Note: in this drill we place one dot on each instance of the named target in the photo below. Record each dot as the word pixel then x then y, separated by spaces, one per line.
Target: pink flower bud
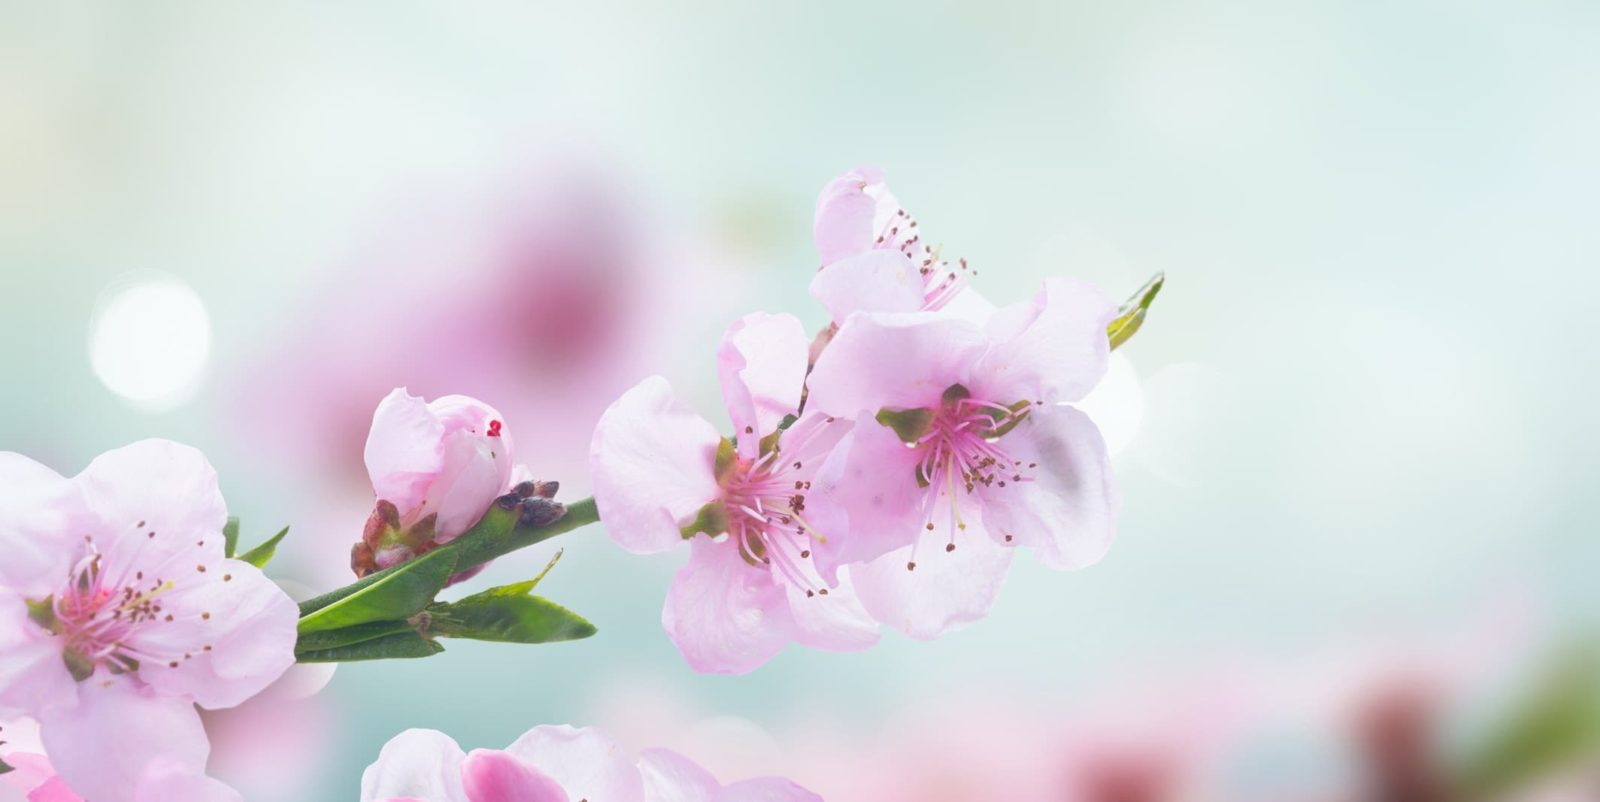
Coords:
pixel 440 463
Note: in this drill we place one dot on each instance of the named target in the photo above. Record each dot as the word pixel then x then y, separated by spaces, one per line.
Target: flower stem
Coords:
pixel 495 535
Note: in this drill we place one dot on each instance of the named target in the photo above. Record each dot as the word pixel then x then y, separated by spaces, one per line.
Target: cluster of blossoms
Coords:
pixel 119 613
pixel 879 473
pixel 552 764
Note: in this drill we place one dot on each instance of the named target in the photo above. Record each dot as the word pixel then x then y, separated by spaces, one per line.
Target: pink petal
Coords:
pixel 845 215
pixel 947 590
pixel 31 772
pixel 725 615
pixel 246 619
pixel 421 764
pixel 895 361
pixel 586 763
pixel 866 498
pixel 766 789
pixel 155 486
pixel 653 465
pixel 117 735
pixel 403 452
pixel 32 674
pixel 671 777
pixel 884 280
pixel 1050 348
pixel 39 511
pixel 493 776
pixel 53 790
pixel 474 472
pixel 1068 513
pixel 835 621
pixel 762 364
pixel 169 782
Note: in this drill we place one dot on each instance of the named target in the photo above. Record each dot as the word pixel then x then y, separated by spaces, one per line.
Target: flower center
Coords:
pixel 940 281
pixel 104 616
pixel 959 452
pixel 765 503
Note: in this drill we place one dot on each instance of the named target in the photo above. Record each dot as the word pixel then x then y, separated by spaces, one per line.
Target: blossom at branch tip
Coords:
pixel 436 467
pixel 963 449
pixel 663 475
pixel 551 764
pixel 119 612
pixel 874 257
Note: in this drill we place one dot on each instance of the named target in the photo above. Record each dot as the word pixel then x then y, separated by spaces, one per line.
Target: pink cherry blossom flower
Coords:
pixel 961 451
pixel 435 468
pixel 119 613
pixel 551 764
pixel 663 475
pixel 874 258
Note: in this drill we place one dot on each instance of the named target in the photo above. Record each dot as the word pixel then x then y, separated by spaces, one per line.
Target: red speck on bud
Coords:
pixel 494 428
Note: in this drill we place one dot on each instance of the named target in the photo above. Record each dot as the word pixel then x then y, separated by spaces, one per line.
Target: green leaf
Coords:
pixel 230 536
pixel 262 554
pixel 394 597
pixel 400 645
pixel 908 424
pixel 1557 726
pixel 1131 316
pixel 507 614
pixel 346 636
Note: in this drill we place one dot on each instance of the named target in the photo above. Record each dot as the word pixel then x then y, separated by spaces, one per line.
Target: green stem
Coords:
pixel 494 536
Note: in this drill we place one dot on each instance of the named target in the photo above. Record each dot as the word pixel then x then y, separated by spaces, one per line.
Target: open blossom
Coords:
pixel 551 764
pixel 962 450
pixel 874 258
pixel 663 475
pixel 119 613
pixel 436 466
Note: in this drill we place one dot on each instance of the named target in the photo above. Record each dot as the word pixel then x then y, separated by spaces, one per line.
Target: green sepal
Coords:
pixel 712 519
pixel 5 768
pixel 79 666
pixel 230 536
pixel 401 645
pixel 43 613
pixel 395 596
pixel 1131 316
pixel 908 424
pixel 769 443
pixel 1019 411
pixel 727 459
pixel 263 554
pixel 309 642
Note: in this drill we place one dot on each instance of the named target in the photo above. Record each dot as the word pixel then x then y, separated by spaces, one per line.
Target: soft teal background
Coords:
pixel 1369 384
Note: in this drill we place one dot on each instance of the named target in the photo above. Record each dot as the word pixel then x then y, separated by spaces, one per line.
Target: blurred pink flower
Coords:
pixel 121 614
pixel 162 781
pixel 662 474
pixel 551 764
pixel 873 256
pixel 961 451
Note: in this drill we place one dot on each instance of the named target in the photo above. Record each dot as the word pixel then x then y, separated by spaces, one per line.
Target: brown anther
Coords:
pixel 200 568
pixel 949 547
pixel 804 553
pixel 823 591
pixel 911 566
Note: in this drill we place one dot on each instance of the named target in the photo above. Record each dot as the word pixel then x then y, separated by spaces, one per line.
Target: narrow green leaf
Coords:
pixel 1554 728
pixel 345 636
pixel 507 614
pixel 1131 316
pixel 262 554
pixel 400 645
pixel 230 536
pixel 394 597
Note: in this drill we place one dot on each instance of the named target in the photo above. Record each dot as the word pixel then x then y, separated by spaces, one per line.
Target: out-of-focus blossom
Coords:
pixel 551 764
pixel 962 450
pixel 435 467
pixel 874 258
pixel 162 781
pixel 122 613
pixel 662 475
